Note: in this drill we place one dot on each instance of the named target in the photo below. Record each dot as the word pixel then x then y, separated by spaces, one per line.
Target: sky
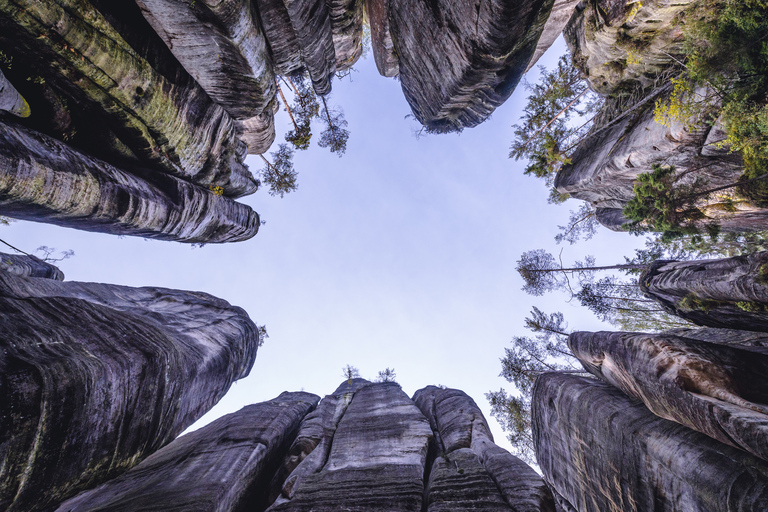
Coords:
pixel 401 254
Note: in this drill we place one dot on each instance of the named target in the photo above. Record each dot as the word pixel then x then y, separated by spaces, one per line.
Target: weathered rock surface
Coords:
pixel 94 378
pixel 469 471
pixel 617 42
pixel 729 293
pixel 219 468
pixel 372 455
pixel 382 46
pixel 10 99
pixel 258 132
pixel 43 179
pixel 561 13
pixel 300 36
pixel 29 266
pixel 458 61
pixel 602 451
pixel 171 126
pixel 347 26
pixel 221 44
pixel 718 390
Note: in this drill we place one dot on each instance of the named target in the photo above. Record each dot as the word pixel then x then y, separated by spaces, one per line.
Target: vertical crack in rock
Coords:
pixel 93 378
pixel 729 293
pixel 45 180
pixel 458 63
pixel 220 467
pixel 604 451
pixel 173 128
pixel 376 460
pixel 718 390
pixel 29 266
pixel 471 471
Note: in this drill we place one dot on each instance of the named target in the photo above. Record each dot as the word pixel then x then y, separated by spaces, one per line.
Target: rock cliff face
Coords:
pixel 95 377
pixel 459 61
pixel 219 468
pixel 29 266
pixel 730 293
pixel 366 447
pixel 602 451
pixel 715 389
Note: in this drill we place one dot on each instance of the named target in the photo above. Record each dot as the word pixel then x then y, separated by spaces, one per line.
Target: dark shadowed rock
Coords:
pixel 602 451
pixel 10 99
pixel 382 45
pixel 45 180
pixel 347 26
pixel 715 389
pixel 461 60
pixel 170 125
pixel 29 266
pixel 220 467
pixel 469 472
pixel 371 457
pixel 221 44
pixel 730 293
pixel 96 377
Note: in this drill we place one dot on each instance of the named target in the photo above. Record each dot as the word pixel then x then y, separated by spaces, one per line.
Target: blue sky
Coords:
pixel 401 254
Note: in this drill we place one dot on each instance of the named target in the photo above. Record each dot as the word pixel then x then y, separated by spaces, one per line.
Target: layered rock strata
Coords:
pixel 219 468
pixel 29 266
pixel 469 471
pixel 382 45
pixel 459 61
pixel 602 451
pixel 45 180
pixel 562 11
pixel 729 293
pixel 715 389
pixel 96 377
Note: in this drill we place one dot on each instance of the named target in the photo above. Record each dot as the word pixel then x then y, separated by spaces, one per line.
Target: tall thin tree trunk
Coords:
pixel 287 108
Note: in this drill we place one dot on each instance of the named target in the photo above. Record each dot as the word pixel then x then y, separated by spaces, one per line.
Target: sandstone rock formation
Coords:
pixel 469 471
pixel 730 293
pixel 562 11
pixel 29 266
pixel 459 61
pixel 10 99
pixel 95 377
pixel 44 179
pixel 602 451
pixel 382 45
pixel 221 467
pixel 366 447
pixel 715 389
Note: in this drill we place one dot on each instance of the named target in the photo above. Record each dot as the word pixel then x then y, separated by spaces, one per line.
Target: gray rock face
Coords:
pixel 461 60
pixel 172 127
pixel 597 38
pixel 382 45
pixel 469 471
pixel 258 132
pixel 221 44
pixel 602 451
pixel 29 266
pixel 96 377
pixel 347 27
pixel 42 179
pixel 372 455
pixel 730 293
pixel 715 389
pixel 218 468
pixel 10 99
pixel 561 13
